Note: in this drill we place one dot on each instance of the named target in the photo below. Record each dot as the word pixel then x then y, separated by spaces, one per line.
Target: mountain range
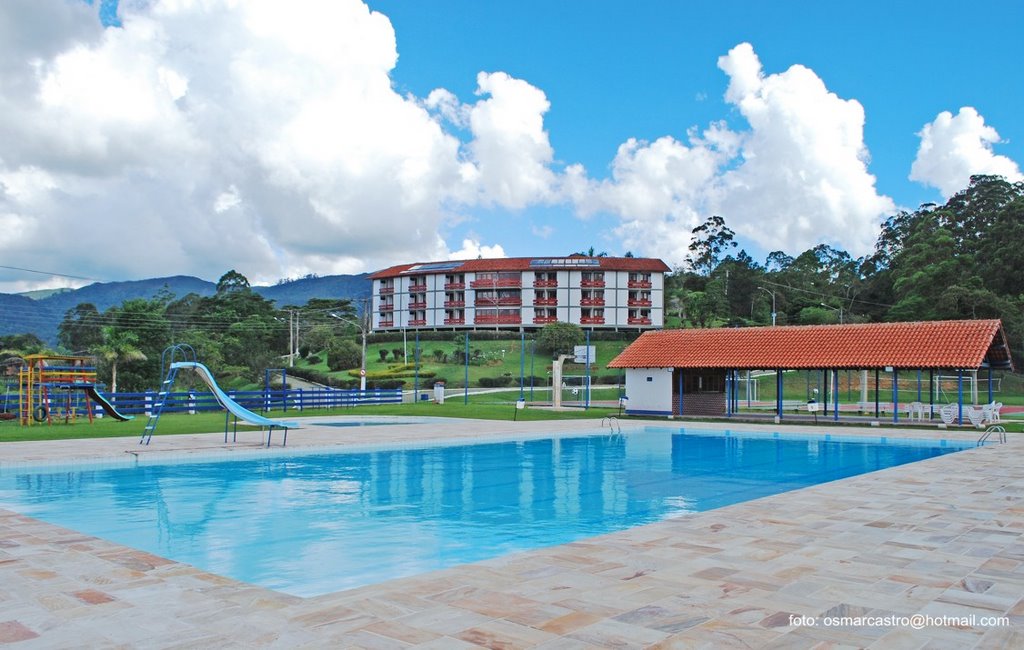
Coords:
pixel 40 312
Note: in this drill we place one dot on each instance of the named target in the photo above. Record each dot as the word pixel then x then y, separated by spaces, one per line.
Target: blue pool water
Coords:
pixel 309 524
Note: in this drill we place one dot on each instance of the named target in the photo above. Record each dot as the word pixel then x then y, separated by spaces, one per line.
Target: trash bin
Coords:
pixel 439 392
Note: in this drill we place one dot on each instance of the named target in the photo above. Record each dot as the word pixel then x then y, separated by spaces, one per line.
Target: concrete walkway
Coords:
pixel 939 539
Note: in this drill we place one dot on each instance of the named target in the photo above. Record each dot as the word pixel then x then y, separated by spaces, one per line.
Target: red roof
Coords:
pixel 569 263
pixel 962 344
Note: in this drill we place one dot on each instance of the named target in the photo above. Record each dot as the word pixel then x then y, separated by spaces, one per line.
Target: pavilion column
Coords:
pixel 864 387
pixel 778 393
pixel 835 396
pixel 681 384
pixel 895 396
pixel 931 393
pixel 960 396
pixel 876 392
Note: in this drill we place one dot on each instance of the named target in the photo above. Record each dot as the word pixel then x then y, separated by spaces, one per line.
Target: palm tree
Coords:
pixel 119 346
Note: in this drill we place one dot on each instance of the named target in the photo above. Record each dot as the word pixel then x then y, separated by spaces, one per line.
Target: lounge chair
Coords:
pixel 948 414
pixel 975 415
pixel 991 411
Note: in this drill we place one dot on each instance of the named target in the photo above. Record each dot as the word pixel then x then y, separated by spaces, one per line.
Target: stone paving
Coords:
pixel 938 538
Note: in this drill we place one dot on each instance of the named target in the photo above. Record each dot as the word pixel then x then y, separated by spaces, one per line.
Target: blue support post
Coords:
pixel 835 396
pixel 681 384
pixel 728 394
pixel 960 396
pixel 919 385
pixel 991 398
pixel 778 392
pixel 895 396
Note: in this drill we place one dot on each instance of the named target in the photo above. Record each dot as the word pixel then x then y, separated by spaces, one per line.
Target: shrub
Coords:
pixel 314 360
pixel 495 382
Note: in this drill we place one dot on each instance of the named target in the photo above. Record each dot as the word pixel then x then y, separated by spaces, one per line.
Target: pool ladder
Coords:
pixel 997 429
pixel 613 423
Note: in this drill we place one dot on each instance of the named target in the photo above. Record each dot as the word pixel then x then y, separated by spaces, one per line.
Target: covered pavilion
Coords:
pixel 697 371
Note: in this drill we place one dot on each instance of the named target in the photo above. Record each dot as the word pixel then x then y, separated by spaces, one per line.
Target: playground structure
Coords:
pixel 183 357
pixel 61 384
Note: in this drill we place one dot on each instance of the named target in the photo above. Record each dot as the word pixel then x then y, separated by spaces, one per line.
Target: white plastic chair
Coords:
pixel 948 414
pixel 915 411
pixel 976 416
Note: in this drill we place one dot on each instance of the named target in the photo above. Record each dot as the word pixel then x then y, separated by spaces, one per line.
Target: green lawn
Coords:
pixel 484 407
pixel 488 359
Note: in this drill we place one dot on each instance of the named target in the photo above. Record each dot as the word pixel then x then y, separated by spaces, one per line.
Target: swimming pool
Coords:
pixel 313 523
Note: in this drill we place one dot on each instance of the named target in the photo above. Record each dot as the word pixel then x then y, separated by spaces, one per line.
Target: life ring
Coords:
pixel 39 414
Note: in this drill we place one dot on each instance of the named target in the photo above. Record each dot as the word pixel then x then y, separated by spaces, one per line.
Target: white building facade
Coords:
pixel 611 293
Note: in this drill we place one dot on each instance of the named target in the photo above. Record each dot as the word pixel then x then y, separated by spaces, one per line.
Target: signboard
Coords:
pixel 362 372
pixel 581 353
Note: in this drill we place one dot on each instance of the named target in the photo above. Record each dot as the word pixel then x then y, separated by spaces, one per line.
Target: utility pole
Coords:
pixel 291 338
pixel 772 293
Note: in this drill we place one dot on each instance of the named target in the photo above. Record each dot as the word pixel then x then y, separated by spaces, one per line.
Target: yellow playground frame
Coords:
pixel 41 376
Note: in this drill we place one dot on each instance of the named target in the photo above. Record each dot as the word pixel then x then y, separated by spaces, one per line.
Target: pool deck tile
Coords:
pixel 943 537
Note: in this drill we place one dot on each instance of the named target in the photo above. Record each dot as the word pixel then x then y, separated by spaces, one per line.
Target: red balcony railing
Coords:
pixel 592 302
pixel 387 308
pixel 454 286
pixel 499 283
pixel 501 302
pixel 545 302
pixel 386 290
pixel 592 320
pixel 416 306
pixel 543 320
pixel 483 319
pixel 541 284
pixel 637 302
pixel 455 321
pixel 454 304
pixel 639 284
pixel 638 321
pixel 591 283
pixel 386 323
pixel 419 322
pixel 417 288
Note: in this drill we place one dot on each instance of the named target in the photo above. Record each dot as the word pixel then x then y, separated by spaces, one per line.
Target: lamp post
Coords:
pixel 364 326
pixel 840 310
pixel 772 294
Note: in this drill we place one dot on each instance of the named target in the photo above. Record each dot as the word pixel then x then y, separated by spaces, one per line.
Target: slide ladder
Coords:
pixel 158 406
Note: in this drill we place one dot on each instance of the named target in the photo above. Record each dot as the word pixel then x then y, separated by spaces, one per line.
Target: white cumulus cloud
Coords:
pixel 797 174
pixel 473 249
pixel 260 135
pixel 954 148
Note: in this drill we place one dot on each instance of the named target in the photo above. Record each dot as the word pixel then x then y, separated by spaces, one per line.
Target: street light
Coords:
pixel 840 310
pixel 363 327
pixel 772 293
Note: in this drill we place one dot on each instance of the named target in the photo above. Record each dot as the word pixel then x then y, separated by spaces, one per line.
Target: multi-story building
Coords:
pixel 521 292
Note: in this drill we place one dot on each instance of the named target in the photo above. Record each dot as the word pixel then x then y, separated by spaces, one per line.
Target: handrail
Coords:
pixel 989 431
pixel 613 422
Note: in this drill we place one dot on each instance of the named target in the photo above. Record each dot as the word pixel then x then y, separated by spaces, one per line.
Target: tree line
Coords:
pixel 960 260
pixel 236 332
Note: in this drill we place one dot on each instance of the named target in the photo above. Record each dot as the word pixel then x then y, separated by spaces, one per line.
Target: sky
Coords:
pixel 149 138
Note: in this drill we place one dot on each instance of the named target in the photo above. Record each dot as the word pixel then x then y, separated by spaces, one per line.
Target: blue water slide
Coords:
pixel 231 405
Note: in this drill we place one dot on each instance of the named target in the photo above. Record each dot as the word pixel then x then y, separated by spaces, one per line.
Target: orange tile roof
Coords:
pixel 962 344
pixel 524 264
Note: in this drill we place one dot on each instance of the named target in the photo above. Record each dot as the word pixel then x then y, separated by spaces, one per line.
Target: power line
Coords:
pixel 62 275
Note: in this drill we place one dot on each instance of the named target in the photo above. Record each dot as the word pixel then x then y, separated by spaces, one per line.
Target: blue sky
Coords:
pixel 328 136
pixel 615 70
